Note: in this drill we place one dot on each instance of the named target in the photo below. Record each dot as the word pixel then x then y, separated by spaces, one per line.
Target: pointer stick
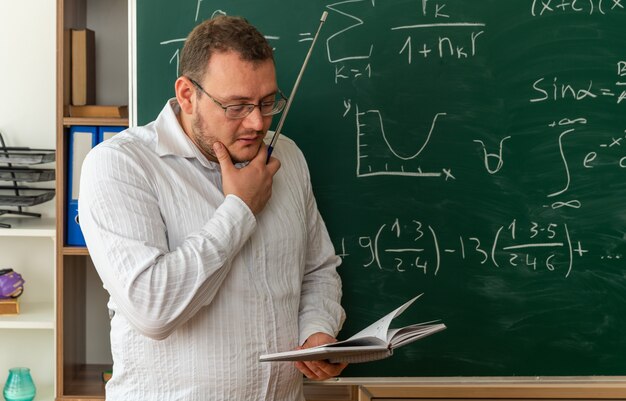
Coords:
pixel 270 148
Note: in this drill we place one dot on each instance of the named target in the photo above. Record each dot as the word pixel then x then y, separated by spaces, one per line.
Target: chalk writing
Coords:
pixel 611 152
pixel 376 155
pixel 343 72
pixel 435 34
pixel 403 246
pixel 356 23
pixel 445 45
pixel 557 91
pixel 545 7
pixel 605 156
pixel 493 156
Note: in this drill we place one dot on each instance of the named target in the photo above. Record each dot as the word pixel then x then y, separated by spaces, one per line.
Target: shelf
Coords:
pixel 69 121
pixel 28 227
pixel 33 315
pixel 87 384
pixel 75 250
pixel 76 378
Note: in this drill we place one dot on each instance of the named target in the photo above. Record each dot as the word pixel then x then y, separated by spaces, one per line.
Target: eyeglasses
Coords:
pixel 238 111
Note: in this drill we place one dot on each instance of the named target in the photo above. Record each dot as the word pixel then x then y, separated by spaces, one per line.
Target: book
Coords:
pixel 9 306
pixel 83 56
pixel 93 110
pixel 376 341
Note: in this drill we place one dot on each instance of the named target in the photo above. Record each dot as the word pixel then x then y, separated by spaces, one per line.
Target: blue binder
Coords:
pixel 82 140
pixel 106 132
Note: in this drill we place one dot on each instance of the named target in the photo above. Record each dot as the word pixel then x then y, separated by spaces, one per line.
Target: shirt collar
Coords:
pixel 171 138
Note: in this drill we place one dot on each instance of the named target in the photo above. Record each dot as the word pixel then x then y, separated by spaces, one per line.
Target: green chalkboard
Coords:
pixel 470 150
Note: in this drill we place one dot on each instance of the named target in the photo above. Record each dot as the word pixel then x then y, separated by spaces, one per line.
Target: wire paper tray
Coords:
pixel 26 155
pixel 26 174
pixel 27 196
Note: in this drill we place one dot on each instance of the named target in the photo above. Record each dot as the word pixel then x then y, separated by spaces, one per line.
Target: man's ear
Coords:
pixel 185 94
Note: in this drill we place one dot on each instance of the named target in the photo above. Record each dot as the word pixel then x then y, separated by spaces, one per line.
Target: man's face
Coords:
pixel 232 81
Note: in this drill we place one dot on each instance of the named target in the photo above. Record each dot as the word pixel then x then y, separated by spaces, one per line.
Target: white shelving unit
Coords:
pixel 35 315
pixel 28 227
pixel 28 339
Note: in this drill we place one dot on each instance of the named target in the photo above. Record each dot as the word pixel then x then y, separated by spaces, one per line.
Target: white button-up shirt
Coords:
pixel 199 286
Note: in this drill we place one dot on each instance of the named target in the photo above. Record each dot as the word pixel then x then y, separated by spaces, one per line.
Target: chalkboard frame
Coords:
pixel 468 388
pixel 494 388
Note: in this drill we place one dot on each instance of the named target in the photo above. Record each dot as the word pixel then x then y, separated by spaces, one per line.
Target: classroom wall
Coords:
pixel 28 77
pixel 28 106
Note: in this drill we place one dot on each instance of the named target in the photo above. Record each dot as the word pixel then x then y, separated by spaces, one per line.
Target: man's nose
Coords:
pixel 254 120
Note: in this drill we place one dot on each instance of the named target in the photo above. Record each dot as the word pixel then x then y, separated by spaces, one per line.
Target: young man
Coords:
pixel 211 256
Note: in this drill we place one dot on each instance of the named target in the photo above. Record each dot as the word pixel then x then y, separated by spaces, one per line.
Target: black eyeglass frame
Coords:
pixel 279 105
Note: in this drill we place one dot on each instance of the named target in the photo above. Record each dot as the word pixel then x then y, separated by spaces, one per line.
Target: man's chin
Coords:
pixel 245 155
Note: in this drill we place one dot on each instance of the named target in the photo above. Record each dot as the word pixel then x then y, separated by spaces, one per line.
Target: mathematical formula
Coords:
pixel 555 90
pixel 457 38
pixel 403 246
pixel 437 32
pixel 365 43
pixel 603 7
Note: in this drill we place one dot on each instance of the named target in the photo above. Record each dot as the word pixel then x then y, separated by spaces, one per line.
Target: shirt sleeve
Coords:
pixel 155 288
pixel 320 301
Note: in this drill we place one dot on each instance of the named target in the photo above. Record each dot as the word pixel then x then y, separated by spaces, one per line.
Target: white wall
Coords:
pixel 27 118
pixel 28 78
pixel 28 108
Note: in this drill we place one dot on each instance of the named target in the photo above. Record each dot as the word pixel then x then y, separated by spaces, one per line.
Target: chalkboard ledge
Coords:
pixel 380 388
